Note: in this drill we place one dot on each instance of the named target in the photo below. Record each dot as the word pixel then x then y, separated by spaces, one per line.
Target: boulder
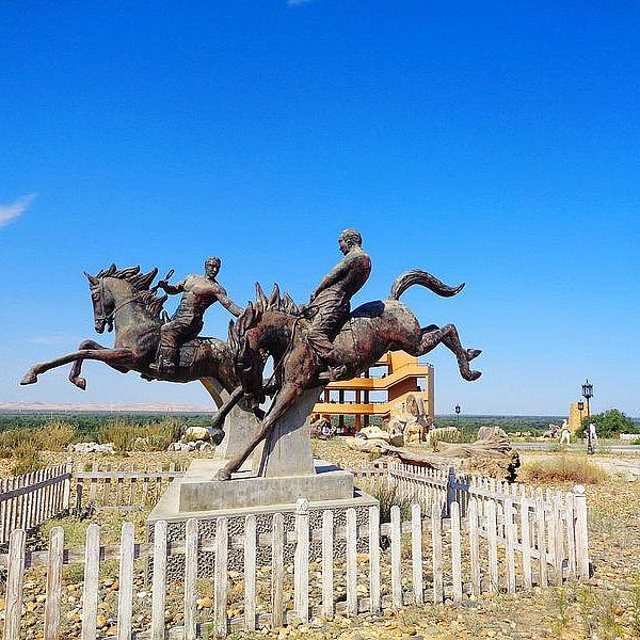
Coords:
pixel 92 447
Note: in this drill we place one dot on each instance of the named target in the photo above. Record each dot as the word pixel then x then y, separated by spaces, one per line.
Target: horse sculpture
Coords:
pixel 275 327
pixel 122 298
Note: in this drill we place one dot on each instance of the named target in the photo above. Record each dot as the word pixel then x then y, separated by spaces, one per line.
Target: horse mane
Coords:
pixel 140 283
pixel 254 312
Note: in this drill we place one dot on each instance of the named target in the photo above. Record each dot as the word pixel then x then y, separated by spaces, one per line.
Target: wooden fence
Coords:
pixel 104 485
pixel 427 558
pixel 28 500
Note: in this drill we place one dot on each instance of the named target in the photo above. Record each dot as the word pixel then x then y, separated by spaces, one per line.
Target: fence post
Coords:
pixel 15 577
pixel 79 496
pixel 451 490
pixel 66 492
pixel 582 533
pixel 301 561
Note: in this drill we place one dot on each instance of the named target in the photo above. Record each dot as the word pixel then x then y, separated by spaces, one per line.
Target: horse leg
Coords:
pixel 285 398
pixel 74 374
pixel 448 335
pixel 118 357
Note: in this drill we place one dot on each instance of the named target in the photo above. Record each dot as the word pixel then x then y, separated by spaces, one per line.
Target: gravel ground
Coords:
pixel 608 606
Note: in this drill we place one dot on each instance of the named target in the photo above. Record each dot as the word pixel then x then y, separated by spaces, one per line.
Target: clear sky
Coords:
pixel 495 143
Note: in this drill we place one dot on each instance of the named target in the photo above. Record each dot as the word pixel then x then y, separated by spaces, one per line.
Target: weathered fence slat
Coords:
pixel 125 592
pixel 90 590
pixel 250 572
pixel 54 584
pixel 375 604
pixel 15 577
pixel 416 553
pixel 456 553
pixel 525 543
pixel 474 547
pixel 301 561
pixel 159 579
pixel 220 579
pixel 190 576
pixel 327 563
pixel 493 546
pixel 352 559
pixel 277 570
pixel 396 551
pixel 436 546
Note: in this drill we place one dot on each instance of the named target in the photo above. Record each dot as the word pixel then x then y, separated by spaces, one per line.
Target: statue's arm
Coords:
pixel 228 304
pixel 338 272
pixel 171 289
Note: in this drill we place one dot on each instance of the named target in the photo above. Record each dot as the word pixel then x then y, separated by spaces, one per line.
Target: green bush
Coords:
pixel 609 424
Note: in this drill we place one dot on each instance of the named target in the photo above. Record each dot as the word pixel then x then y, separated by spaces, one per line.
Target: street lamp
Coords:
pixel 458 409
pixel 587 394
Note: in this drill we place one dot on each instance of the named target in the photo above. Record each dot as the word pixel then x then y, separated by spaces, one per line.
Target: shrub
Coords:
pixel 27 459
pixel 53 435
pixel 564 469
pixel 129 436
pixel 388 496
pixel 609 424
pixel 120 432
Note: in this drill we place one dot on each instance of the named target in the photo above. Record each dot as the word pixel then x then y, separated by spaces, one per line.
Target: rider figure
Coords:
pixel 330 302
pixel 199 293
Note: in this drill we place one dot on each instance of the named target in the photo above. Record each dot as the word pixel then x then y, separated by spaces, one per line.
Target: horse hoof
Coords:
pixel 81 383
pixel 30 378
pixel 473 353
pixel 472 375
pixel 223 474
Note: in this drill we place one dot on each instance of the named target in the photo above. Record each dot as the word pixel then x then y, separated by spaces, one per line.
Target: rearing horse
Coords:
pixel 275 327
pixel 122 298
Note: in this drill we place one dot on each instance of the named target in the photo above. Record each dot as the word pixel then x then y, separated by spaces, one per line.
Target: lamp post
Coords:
pixel 458 409
pixel 587 394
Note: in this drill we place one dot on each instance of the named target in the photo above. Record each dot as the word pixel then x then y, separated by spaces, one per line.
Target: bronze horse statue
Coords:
pixel 275 327
pixel 124 299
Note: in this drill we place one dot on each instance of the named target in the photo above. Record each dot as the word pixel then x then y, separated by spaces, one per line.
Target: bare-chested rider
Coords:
pixel 331 301
pixel 199 293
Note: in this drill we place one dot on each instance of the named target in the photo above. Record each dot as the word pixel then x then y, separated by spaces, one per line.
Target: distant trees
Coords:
pixel 609 423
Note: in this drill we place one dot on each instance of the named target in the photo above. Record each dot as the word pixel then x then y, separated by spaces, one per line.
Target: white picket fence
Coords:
pixel 28 500
pixel 503 544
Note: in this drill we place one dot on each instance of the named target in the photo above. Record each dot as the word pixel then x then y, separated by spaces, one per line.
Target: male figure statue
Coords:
pixel 198 294
pixel 329 305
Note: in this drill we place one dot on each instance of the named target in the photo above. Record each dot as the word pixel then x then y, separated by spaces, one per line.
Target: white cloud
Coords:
pixel 297 3
pixel 9 212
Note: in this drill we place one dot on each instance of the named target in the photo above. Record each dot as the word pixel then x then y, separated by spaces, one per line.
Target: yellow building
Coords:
pixel 396 375
pixel 575 417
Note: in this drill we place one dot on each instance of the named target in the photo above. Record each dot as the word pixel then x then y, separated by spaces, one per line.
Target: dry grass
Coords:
pixel 130 436
pixel 574 469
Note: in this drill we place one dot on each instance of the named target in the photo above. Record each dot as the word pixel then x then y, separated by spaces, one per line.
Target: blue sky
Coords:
pixel 495 143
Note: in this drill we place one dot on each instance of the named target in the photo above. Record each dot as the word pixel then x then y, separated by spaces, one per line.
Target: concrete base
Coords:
pixel 200 472
pixel 245 491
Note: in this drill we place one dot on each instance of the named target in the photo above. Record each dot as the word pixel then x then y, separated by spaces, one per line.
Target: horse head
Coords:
pixel 112 288
pixel 263 330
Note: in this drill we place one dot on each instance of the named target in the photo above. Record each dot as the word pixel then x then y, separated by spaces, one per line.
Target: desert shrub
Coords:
pixel 120 432
pixel 130 436
pixel 563 469
pixel 160 435
pixel 388 496
pixel 56 434
pixel 26 459
pixel 53 435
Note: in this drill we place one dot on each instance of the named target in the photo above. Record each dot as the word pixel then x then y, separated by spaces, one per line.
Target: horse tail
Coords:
pixel 424 279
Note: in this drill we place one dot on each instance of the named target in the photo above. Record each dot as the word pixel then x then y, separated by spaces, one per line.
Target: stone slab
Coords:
pixel 287 449
pixel 245 491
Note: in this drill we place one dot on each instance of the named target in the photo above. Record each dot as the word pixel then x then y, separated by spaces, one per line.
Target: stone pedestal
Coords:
pixel 287 449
